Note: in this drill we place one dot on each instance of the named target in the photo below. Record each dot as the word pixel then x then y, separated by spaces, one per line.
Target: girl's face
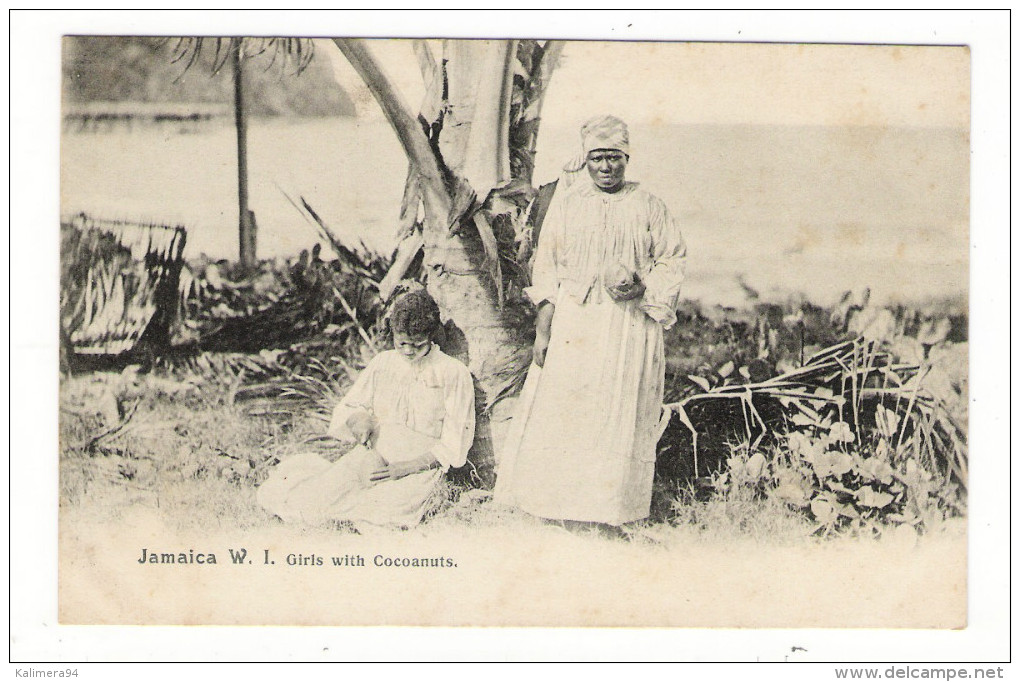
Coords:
pixel 413 348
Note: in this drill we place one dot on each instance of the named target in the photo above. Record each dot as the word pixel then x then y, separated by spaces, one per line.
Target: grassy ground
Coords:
pixel 192 453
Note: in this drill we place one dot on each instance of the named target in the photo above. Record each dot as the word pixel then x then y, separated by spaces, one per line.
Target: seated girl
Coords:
pixel 411 414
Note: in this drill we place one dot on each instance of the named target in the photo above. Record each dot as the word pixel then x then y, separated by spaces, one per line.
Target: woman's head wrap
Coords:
pixel 601 132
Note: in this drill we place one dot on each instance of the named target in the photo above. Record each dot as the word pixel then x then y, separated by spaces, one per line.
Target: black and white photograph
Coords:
pixel 368 329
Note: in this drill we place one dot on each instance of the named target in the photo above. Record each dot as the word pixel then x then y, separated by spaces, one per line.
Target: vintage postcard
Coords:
pixel 241 218
pixel 513 332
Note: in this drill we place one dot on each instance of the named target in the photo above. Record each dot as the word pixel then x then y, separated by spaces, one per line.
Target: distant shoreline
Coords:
pixel 83 117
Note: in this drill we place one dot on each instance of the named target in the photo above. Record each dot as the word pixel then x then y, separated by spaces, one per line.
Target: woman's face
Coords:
pixel 413 348
pixel 607 168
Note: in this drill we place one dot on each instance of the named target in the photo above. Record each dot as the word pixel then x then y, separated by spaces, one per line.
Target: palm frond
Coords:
pixel 296 51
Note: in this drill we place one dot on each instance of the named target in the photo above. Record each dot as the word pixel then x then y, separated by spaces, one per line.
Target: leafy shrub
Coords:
pixel 843 479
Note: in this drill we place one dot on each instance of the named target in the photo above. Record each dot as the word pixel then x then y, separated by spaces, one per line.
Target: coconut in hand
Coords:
pixel 618 276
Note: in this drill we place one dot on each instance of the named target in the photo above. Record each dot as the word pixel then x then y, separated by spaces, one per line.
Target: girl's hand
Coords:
pixel 364 426
pixel 396 470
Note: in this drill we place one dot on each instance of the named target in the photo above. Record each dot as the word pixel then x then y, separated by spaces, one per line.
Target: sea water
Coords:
pixel 772 209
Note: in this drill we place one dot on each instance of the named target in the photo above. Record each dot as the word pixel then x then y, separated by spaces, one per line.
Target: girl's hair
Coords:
pixel 415 314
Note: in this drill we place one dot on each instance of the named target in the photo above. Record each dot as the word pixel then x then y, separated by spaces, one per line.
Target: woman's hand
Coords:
pixel 626 292
pixel 622 283
pixel 364 426
pixel 543 332
pixel 540 349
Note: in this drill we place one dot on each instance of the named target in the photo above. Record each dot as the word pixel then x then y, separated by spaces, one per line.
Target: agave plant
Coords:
pixel 850 439
pixel 844 394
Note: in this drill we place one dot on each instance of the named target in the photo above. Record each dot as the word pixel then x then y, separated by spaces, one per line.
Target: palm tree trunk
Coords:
pixel 464 156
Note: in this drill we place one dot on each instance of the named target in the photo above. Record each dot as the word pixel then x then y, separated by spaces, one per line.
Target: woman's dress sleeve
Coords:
pixel 459 419
pixel 359 397
pixel 663 280
pixel 544 276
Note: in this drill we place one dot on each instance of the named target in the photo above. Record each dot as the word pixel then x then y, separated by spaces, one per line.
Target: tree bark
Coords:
pixel 465 156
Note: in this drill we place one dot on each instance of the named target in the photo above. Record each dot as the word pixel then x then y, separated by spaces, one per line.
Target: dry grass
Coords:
pixel 739 514
pixel 194 456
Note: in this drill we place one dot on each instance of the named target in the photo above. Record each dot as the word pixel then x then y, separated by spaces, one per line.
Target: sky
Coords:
pixel 728 83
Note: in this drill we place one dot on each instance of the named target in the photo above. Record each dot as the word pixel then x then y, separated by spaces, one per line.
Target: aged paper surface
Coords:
pixel 900 112
pixel 794 170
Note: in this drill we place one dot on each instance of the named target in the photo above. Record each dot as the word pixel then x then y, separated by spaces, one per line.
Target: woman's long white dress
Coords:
pixel 582 444
pixel 422 407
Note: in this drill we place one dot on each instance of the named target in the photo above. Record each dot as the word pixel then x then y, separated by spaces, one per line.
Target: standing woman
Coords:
pixel 606 281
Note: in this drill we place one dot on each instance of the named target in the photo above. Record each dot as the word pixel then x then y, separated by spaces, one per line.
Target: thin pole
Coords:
pixel 246 227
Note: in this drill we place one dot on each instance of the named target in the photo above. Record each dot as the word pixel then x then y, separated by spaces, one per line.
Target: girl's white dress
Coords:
pixel 422 407
pixel 582 444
